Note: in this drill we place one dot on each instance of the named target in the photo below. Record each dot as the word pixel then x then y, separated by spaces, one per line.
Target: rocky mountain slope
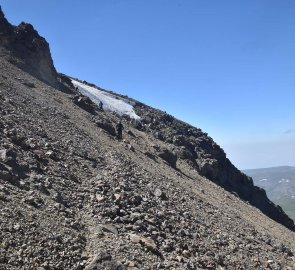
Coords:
pixel 23 46
pixel 279 184
pixel 165 197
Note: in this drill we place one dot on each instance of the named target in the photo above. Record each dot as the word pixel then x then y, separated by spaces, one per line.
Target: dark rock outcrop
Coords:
pixel 169 157
pixel 84 103
pixel 106 125
pixel 203 154
pixel 5 26
pixel 228 176
pixel 24 47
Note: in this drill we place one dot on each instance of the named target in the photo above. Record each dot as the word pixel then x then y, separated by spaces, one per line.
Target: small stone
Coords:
pixel 3 154
pixel 131 148
pixel 109 228
pixel 136 228
pixel 118 196
pixel 29 84
pixel 29 200
pixel 158 192
pixel 180 259
pixel 186 253
pixel 49 153
pixel 99 198
pixel 59 206
pixel 147 242
pixel 16 227
pixel 103 260
pixel 130 264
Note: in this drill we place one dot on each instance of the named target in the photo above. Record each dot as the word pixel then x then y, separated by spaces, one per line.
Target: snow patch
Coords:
pixel 110 102
pixel 283 180
pixel 263 180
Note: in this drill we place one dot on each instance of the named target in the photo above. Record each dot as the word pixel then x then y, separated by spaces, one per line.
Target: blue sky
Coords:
pixel 224 66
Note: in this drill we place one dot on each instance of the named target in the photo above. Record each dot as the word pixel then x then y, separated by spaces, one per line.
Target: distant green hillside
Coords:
pixel 279 183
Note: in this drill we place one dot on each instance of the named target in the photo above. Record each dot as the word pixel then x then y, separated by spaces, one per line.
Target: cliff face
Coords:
pixel 23 46
pixel 5 27
pixel 204 155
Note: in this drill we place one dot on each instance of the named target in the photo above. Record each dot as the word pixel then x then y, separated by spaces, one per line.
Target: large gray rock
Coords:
pixel 169 157
pixel 8 156
pixel 208 168
pixel 5 175
pixel 107 126
pixel 84 103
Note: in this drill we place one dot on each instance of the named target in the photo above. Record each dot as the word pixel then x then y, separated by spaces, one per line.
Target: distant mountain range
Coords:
pixel 279 184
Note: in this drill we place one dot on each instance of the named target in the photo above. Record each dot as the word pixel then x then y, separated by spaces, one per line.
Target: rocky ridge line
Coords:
pixel 201 153
pixel 23 46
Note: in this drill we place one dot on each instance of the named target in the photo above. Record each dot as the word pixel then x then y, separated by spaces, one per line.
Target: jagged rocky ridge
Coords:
pixel 23 46
pixel 73 197
pixel 203 154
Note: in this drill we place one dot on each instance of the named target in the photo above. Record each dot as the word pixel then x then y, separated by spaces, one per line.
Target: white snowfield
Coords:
pixel 110 102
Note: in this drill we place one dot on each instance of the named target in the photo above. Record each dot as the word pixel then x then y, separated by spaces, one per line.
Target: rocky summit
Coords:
pixel 73 196
pixel 23 46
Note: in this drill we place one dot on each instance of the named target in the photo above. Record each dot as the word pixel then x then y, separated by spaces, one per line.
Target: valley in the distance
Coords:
pixel 279 184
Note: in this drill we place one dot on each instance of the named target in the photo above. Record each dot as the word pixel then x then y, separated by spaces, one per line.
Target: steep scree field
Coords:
pixel 74 197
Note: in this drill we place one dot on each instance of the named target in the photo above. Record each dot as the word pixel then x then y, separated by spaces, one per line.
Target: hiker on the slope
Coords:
pixel 100 106
pixel 119 128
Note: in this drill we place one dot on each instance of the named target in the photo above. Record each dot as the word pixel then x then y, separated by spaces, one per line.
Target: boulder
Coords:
pixel 29 84
pixel 169 157
pixel 8 156
pixel 181 140
pixel 183 153
pixel 84 103
pixel 107 126
pixel 5 175
pixel 208 168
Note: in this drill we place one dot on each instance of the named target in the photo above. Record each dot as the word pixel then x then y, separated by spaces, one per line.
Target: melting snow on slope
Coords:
pixel 284 180
pixel 110 102
pixel 263 180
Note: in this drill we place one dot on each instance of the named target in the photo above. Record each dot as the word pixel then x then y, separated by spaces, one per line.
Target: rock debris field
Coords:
pixel 74 197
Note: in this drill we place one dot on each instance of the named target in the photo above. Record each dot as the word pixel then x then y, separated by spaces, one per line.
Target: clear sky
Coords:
pixel 227 67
